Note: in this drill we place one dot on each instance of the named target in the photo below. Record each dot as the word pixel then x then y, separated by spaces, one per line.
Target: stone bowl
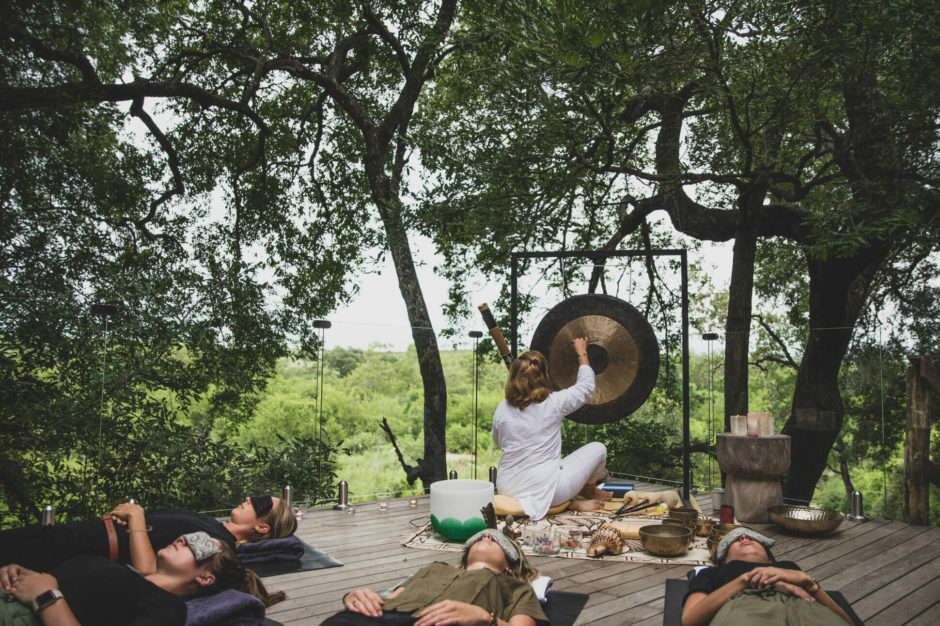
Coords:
pixel 805 520
pixel 665 540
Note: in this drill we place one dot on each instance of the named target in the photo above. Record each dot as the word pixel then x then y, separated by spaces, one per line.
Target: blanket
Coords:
pixel 229 607
pixel 283 560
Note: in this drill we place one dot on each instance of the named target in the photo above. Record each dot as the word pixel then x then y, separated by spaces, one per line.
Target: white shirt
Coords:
pixel 531 443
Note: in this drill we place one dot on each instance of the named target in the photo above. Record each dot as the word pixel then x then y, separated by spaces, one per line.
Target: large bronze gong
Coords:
pixel 622 350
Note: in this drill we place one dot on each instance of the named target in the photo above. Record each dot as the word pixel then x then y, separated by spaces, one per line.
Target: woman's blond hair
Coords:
pixel 528 382
pixel 280 520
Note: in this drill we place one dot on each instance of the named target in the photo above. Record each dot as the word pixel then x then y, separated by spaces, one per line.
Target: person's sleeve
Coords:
pixel 567 401
pixel 524 602
pixel 160 611
pixel 704 582
pixel 497 425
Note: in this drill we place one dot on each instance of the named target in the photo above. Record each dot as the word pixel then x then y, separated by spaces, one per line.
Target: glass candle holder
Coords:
pixel 766 425
pixel 350 510
pixel 413 503
pixel 573 542
pixel 738 424
pixel 753 424
pixel 382 505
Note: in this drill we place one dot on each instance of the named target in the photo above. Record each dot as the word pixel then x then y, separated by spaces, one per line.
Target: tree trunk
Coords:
pixel 433 466
pixel 837 291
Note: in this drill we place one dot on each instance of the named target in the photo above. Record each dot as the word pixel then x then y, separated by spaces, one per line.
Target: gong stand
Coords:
pixel 595 255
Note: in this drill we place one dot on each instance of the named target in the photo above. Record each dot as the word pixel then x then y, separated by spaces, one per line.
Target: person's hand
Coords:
pixel 453 612
pixel 9 574
pixel 364 601
pixel 125 512
pixel 579 344
pixel 798 591
pixel 30 584
pixel 761 577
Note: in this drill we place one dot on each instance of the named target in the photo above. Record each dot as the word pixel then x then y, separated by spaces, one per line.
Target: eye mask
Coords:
pixel 201 545
pixel 734 535
pixel 261 504
pixel 512 554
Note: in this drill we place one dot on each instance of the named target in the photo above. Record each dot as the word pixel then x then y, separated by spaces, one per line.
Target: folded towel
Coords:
pixel 540 586
pixel 227 608
pixel 287 549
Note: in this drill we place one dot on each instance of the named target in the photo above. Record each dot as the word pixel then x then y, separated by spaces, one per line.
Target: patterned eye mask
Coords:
pixel 201 545
pixel 512 554
pixel 736 534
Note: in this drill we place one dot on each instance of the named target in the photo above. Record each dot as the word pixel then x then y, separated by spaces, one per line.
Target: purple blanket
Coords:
pixel 286 549
pixel 227 608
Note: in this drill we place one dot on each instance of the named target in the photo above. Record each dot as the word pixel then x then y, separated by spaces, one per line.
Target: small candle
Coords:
pixel 753 424
pixel 350 509
pixel 738 424
pixel 766 425
pixel 413 503
pixel 383 505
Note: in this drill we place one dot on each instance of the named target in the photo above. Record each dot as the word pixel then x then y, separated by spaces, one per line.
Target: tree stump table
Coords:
pixel 753 466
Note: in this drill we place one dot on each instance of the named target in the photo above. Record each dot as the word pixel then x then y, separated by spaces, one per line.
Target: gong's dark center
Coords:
pixel 598 357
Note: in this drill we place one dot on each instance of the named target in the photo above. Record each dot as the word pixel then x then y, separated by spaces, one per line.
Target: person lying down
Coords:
pixel 491 585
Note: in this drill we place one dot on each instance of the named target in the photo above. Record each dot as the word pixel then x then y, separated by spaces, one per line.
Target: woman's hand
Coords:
pixel 126 513
pixel 761 577
pixel 453 612
pixel 364 601
pixel 30 584
pixel 9 574
pixel 579 344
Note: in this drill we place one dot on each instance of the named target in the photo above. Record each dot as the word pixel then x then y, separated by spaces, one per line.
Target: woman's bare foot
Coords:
pixel 586 505
pixel 591 492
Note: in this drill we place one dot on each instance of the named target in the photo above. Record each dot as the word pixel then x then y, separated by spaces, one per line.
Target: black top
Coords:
pixel 712 578
pixel 42 548
pixel 101 592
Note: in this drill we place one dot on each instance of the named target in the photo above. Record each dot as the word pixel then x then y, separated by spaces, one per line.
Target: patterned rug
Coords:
pixel 426 539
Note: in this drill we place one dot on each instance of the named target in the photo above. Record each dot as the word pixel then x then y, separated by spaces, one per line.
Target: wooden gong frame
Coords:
pixel 596 255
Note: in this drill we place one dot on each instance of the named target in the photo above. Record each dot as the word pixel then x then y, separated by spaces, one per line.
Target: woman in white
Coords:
pixel 527 428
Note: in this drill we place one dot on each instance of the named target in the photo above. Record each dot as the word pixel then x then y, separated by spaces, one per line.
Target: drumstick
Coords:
pixel 490 322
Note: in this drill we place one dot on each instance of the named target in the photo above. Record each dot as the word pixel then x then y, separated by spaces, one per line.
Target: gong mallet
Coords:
pixel 490 322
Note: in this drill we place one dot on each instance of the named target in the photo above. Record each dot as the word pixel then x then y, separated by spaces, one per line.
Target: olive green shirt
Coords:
pixel 503 595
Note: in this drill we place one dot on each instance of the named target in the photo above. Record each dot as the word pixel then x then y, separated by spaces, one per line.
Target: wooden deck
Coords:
pixel 888 571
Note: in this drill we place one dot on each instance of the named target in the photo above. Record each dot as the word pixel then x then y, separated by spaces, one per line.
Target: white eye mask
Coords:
pixel 734 535
pixel 201 545
pixel 512 554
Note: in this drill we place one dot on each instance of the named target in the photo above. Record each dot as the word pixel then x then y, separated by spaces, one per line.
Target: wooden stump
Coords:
pixel 754 466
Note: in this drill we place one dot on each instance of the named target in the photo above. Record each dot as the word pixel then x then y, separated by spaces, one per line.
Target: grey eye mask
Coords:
pixel 512 554
pixel 734 535
pixel 201 545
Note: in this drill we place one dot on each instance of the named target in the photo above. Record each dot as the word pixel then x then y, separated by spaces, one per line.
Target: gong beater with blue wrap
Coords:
pixel 622 350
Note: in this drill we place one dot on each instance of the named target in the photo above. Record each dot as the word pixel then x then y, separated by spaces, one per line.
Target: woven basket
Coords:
pixel 805 520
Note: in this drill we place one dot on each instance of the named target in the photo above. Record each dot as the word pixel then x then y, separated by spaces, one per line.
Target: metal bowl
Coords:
pixel 805 520
pixel 703 527
pixel 685 514
pixel 665 540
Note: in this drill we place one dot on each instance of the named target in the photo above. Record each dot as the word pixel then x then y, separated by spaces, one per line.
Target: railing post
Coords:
pixel 343 497
pixel 916 506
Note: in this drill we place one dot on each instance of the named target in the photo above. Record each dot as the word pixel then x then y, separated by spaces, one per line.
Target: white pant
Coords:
pixel 585 465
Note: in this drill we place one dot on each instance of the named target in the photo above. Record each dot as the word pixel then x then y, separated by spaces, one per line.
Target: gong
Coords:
pixel 622 350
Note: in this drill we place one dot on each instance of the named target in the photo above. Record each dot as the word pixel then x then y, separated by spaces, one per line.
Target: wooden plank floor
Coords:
pixel 888 571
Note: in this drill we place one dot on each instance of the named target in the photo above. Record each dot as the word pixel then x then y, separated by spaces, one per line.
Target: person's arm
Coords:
pixel 463 614
pixel 765 576
pixel 142 555
pixel 700 607
pixel 26 585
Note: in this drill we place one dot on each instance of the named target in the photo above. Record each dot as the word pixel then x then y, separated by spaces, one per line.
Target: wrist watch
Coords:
pixel 45 599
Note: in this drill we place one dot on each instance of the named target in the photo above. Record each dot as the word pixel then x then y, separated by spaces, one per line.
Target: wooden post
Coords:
pixel 916 506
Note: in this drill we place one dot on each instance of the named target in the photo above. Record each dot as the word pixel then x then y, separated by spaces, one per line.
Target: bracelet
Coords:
pixel 582 354
pixel 493 620
pixel 812 591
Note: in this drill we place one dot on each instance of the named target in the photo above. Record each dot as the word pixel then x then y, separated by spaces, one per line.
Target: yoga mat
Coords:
pixel 676 588
pixel 563 607
pixel 312 559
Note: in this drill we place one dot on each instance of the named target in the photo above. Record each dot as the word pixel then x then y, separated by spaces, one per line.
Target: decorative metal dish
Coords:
pixel 805 520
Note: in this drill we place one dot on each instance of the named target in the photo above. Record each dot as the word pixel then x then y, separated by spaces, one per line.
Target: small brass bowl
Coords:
pixel 712 545
pixel 720 530
pixel 703 527
pixel 684 513
pixel 805 520
pixel 680 523
pixel 668 540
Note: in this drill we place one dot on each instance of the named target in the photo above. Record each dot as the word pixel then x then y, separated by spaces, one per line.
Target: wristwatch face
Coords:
pixel 46 598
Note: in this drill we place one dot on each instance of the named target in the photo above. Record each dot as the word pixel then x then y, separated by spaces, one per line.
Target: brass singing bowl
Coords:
pixel 686 514
pixel 665 540
pixel 805 520
pixel 703 527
